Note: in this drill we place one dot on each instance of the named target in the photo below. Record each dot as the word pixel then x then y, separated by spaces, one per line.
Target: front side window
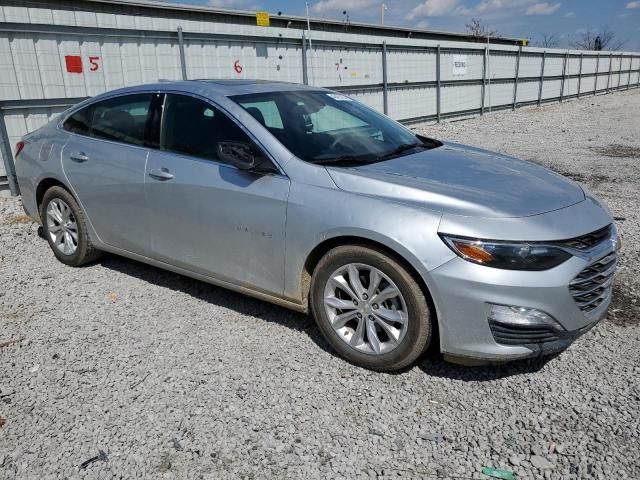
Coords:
pixel 191 126
pixel 325 127
pixel 122 119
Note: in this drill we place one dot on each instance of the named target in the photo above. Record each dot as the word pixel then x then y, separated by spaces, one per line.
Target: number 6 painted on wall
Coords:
pixel 237 67
pixel 94 63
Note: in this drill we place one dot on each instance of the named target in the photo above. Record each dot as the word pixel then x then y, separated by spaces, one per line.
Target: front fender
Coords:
pixel 318 214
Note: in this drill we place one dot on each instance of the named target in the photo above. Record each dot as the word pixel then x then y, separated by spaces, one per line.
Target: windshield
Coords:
pixel 324 127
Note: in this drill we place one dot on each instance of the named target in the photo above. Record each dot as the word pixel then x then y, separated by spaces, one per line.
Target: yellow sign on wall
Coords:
pixel 262 19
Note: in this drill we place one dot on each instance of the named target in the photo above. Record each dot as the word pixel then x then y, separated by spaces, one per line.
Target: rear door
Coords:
pixel 208 216
pixel 104 160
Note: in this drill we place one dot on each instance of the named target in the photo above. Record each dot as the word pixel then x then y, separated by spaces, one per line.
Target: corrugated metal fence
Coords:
pixel 53 58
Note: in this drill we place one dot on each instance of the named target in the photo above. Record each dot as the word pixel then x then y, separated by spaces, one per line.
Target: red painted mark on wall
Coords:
pixel 74 63
pixel 93 61
pixel 237 67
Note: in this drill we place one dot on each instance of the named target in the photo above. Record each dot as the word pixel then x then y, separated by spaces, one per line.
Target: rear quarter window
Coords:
pixel 79 122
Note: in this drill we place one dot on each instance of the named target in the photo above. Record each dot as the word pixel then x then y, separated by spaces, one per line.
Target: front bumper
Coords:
pixel 462 291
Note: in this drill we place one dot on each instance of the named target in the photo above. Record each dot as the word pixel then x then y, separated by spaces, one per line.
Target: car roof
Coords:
pixel 213 88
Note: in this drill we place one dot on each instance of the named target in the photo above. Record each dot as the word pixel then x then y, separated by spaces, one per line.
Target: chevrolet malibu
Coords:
pixel 306 198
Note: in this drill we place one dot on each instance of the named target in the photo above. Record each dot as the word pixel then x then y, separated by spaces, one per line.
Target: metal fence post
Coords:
pixel 595 82
pixel 183 60
pixel 619 72
pixel 580 74
pixel 484 80
pixel 385 92
pixel 305 73
pixel 438 107
pixel 609 75
pixel 629 72
pixel 564 71
pixel 8 157
pixel 515 83
pixel 544 58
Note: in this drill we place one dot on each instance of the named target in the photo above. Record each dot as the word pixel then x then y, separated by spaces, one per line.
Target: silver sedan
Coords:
pixel 306 198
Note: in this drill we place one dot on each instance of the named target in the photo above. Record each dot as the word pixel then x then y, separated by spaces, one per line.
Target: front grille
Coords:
pixel 590 240
pixel 592 286
pixel 509 334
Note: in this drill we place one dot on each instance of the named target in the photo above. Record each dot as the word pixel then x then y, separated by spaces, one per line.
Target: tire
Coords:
pixel 84 251
pixel 388 349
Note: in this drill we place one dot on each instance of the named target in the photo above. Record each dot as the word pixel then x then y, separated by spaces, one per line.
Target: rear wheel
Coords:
pixel 370 308
pixel 65 228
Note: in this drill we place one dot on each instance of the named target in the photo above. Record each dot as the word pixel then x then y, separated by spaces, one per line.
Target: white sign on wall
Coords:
pixel 459 65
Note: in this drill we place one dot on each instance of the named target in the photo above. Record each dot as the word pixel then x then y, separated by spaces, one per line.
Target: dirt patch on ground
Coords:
pixel 18 219
pixel 618 151
pixel 625 307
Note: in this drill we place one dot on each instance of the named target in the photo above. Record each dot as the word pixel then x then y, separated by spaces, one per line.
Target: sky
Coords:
pixel 531 19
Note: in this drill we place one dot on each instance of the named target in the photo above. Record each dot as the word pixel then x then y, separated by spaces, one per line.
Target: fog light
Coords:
pixel 617 242
pixel 522 316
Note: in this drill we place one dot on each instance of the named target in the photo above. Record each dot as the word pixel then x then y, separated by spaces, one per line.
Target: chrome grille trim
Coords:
pixel 588 241
pixel 592 286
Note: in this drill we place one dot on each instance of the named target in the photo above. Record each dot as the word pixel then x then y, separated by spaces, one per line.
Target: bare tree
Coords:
pixel 476 28
pixel 548 41
pixel 603 39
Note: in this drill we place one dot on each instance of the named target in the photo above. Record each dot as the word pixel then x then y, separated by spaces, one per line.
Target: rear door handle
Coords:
pixel 161 174
pixel 79 157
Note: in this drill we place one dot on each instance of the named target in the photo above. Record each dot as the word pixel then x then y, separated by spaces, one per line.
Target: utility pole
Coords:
pixel 383 7
pixel 308 24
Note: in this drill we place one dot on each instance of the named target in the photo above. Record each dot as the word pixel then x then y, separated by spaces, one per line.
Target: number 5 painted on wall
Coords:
pixel 94 63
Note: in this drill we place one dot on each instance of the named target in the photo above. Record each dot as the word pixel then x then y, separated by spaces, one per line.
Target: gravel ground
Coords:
pixel 121 370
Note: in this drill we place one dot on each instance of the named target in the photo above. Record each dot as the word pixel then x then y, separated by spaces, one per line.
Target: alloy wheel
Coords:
pixel 62 227
pixel 366 308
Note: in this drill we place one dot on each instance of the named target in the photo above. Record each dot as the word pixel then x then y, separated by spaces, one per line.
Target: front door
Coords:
pixel 207 216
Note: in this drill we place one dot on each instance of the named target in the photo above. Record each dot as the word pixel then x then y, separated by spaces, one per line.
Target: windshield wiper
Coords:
pixel 343 159
pixel 400 149
pixel 364 159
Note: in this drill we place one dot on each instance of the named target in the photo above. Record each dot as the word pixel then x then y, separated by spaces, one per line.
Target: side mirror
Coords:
pixel 239 154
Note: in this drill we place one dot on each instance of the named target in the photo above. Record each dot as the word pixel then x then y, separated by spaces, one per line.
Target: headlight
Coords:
pixel 506 255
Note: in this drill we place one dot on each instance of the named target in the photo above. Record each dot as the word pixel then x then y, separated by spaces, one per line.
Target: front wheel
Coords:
pixel 370 309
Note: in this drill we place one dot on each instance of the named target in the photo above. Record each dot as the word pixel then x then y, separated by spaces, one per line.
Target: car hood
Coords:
pixel 461 180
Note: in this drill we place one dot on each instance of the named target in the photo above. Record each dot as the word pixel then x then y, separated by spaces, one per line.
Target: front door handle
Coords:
pixel 79 157
pixel 161 174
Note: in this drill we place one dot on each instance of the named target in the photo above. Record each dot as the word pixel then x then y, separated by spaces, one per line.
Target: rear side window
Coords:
pixel 193 127
pixel 79 122
pixel 122 119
